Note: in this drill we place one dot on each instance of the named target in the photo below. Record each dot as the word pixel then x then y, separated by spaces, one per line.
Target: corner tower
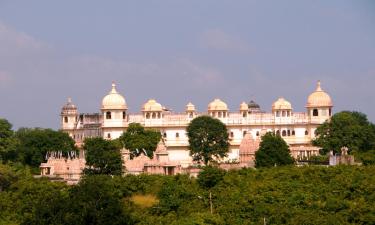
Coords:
pixel 319 106
pixel 68 117
pixel 114 111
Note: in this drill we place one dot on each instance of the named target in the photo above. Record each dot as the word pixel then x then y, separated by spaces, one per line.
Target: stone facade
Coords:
pixel 245 127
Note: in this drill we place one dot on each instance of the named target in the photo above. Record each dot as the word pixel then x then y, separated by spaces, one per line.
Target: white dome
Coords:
pixel 152 105
pixel 319 98
pixel 114 100
pixel 244 106
pixel 217 105
pixel 190 107
pixel 281 104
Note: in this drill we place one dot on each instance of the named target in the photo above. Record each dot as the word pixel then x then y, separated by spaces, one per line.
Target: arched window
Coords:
pixel 123 115
pixel 257 133
pixel 109 135
pixel 277 113
pixel 330 112
pixel 288 132
pixel 231 134
pixel 219 114
pixel 315 112
pixel 306 132
pixel 244 133
pixel 153 115
pixel 278 132
pixel 293 133
pixel 108 115
pixel 284 114
pixel 244 114
pixel 65 119
pixel 191 115
pixel 165 135
pixel 159 115
pixel 147 115
pixel 177 135
pixel 284 133
pixel 288 114
pixel 224 114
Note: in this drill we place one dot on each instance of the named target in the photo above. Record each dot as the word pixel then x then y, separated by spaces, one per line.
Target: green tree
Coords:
pixel 208 139
pixel 210 176
pixel 97 200
pixel 102 157
pixel 273 150
pixel 34 143
pixel 7 141
pixel 137 140
pixel 350 129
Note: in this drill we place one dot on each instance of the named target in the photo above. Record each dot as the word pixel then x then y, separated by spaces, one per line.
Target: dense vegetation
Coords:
pixel 281 195
pixel 30 145
pixel 349 129
pixel 276 195
pixel 102 157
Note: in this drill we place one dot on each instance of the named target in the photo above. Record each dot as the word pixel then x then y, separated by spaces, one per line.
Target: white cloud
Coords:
pixel 220 40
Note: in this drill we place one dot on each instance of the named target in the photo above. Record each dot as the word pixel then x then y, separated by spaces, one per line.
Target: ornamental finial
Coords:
pixel 318 87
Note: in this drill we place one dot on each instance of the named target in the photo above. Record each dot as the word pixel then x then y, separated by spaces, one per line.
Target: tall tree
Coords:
pixel 36 142
pixel 273 150
pixel 208 139
pixel 7 141
pixel 138 140
pixel 102 157
pixel 350 129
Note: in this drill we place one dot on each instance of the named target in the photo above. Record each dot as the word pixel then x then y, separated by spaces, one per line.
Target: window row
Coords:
pixel 108 115
pixel 219 114
pixel 283 113
pixel 154 115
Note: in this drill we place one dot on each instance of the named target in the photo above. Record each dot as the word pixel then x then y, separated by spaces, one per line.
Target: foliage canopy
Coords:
pixel 34 143
pixel 102 157
pixel 349 129
pixel 273 150
pixel 208 139
pixel 138 140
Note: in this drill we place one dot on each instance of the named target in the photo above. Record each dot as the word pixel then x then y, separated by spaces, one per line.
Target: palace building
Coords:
pixel 245 125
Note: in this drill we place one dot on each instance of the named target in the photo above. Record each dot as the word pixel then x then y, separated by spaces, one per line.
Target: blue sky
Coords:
pixel 179 51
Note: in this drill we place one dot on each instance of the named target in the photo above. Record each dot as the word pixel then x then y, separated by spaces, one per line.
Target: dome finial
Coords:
pixel 318 86
pixel 113 91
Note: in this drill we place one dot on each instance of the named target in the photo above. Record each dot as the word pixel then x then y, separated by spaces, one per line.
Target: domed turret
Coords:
pixel 282 108
pixel 319 105
pixel 244 107
pixel 114 114
pixel 253 107
pixel 218 108
pixel 69 115
pixel 217 105
pixel 114 100
pixel 190 110
pixel 319 98
pixel 152 109
pixel 190 107
pixel 281 104
pixel 152 106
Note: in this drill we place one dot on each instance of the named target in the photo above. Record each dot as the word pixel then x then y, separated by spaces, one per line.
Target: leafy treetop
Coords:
pixel 349 129
pixel 208 139
pixel 273 150
pixel 139 140
pixel 102 157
